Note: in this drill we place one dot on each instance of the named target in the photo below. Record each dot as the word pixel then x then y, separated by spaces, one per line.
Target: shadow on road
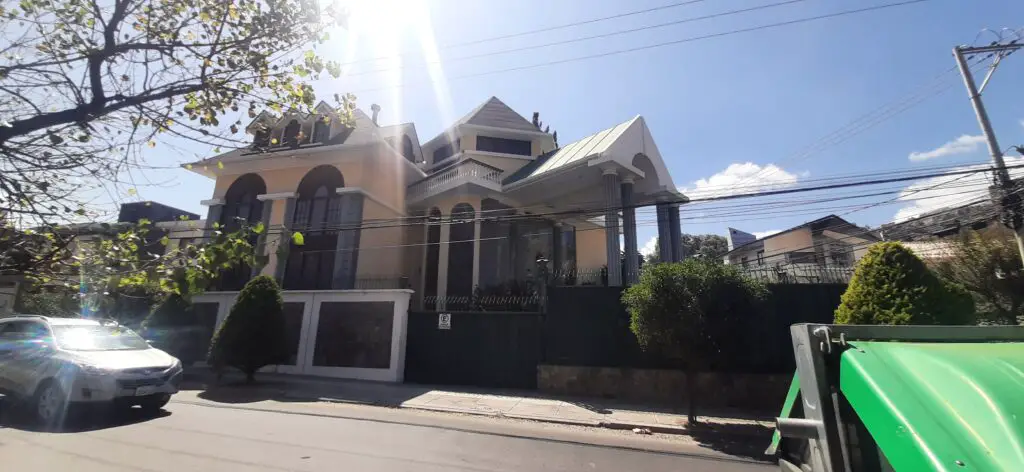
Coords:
pixel 78 419
pixel 744 440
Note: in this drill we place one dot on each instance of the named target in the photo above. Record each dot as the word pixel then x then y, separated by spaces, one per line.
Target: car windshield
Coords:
pixel 97 338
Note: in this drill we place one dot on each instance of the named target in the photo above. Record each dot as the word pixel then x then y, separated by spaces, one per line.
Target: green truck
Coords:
pixel 903 398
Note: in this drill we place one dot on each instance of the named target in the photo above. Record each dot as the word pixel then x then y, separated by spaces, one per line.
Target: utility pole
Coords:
pixel 1003 191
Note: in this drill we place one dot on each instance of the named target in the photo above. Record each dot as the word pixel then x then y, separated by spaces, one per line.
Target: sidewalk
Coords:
pixel 525 405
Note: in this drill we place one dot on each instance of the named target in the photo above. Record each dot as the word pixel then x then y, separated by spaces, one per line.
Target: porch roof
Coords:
pixel 621 144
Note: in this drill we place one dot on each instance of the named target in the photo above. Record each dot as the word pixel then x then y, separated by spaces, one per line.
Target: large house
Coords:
pixel 475 206
pixel 387 221
pixel 823 250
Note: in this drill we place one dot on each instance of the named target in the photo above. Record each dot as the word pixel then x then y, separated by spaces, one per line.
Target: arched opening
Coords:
pixel 321 131
pixel 241 206
pixel 460 252
pixel 291 134
pixel 433 258
pixel 317 214
pixel 407 149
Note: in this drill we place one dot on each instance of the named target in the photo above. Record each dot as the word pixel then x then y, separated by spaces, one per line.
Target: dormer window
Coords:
pixel 321 131
pixel 291 134
pixel 261 138
pixel 503 145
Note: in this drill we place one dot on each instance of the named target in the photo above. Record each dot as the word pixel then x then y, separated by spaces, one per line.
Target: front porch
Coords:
pixel 566 218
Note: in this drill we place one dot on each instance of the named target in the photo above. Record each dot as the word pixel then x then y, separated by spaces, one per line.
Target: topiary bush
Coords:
pixel 253 334
pixel 891 286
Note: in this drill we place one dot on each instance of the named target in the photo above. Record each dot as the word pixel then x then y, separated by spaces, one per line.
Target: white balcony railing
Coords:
pixel 468 171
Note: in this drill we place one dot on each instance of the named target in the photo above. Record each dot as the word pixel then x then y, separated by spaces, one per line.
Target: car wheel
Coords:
pixel 49 404
pixel 155 403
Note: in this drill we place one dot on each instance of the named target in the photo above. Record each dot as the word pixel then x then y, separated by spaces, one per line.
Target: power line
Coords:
pixel 670 43
pixel 587 38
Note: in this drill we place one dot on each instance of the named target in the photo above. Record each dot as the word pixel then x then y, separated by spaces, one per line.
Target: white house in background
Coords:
pixel 816 251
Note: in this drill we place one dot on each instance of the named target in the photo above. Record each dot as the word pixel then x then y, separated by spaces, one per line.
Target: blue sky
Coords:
pixel 720 109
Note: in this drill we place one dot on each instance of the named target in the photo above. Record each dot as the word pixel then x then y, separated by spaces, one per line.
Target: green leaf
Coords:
pixel 165 240
pixel 259 228
pixel 298 239
pixel 220 165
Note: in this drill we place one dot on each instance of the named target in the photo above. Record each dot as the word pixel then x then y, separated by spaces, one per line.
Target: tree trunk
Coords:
pixel 691 394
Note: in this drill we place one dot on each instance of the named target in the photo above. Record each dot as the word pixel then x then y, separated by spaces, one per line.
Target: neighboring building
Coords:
pixel 378 209
pixel 152 211
pixel 817 251
pixel 943 223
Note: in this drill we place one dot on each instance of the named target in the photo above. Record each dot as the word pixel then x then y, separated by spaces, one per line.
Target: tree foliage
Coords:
pixel 685 311
pixel 85 85
pixel 892 286
pixel 704 246
pixel 253 335
pixel 987 264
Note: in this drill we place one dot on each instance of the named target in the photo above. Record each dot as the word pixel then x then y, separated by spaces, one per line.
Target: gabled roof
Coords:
pixel 619 143
pixel 830 222
pixel 493 113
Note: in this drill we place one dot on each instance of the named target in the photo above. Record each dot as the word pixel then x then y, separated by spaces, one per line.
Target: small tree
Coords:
pixel 891 286
pixel 987 264
pixel 252 336
pixel 683 311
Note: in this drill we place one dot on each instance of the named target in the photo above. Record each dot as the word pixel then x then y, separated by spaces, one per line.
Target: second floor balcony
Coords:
pixel 468 171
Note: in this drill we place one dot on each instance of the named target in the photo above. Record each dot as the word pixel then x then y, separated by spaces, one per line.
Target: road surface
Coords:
pixel 195 437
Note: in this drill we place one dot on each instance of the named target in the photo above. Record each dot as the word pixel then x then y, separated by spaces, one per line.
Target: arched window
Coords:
pixel 407 149
pixel 433 256
pixel 460 251
pixel 240 202
pixel 321 131
pixel 317 214
pixel 241 206
pixel 291 134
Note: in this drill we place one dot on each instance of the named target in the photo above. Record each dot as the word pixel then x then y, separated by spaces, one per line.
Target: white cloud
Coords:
pixel 949 191
pixel 648 248
pixel 765 234
pixel 962 145
pixel 744 177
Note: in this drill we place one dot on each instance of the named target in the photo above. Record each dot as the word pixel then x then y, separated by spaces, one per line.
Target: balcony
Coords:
pixel 456 175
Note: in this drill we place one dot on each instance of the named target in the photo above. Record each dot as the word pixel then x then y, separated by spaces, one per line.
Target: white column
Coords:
pixel 442 261
pixel 476 248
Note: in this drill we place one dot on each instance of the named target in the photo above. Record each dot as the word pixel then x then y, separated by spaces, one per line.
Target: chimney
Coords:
pixel 375 108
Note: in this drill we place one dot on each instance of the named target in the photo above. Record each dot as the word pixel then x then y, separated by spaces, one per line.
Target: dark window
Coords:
pixel 321 131
pixel 241 206
pixel 502 145
pixel 293 329
pixel 291 134
pixel 261 138
pixel 433 254
pixel 317 214
pixel 760 257
pixel 460 251
pixel 407 149
pixel 446 151
pixel 23 330
pixel 354 334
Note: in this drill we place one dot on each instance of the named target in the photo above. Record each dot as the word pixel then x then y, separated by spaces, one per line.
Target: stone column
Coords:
pixel 664 234
pixel 612 194
pixel 629 231
pixel 442 261
pixel 677 235
pixel 284 241
pixel 346 256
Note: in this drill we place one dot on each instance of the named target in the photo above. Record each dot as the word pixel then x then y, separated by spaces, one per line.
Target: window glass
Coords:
pixel 97 338
pixel 503 145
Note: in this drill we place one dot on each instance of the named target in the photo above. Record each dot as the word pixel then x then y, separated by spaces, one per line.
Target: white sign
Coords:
pixel 444 321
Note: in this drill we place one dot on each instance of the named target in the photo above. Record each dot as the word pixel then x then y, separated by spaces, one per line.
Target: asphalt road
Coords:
pixel 193 437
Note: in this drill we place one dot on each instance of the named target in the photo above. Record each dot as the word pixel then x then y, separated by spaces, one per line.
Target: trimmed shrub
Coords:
pixel 687 312
pixel 253 335
pixel 891 286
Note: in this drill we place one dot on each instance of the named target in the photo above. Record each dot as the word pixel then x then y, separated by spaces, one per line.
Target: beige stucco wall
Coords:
pixel 798 240
pixel 507 164
pixel 380 249
pixel 590 248
pixel 287 180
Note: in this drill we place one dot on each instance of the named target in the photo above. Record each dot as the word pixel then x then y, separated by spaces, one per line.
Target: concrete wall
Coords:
pixel 798 240
pixel 312 301
pixel 760 392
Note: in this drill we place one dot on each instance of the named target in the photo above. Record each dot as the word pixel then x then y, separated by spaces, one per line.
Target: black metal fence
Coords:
pixel 799 274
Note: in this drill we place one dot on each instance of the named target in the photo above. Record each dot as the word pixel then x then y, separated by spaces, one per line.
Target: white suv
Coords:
pixel 50 363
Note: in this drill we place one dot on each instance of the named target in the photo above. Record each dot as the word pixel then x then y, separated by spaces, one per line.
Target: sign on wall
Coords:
pixel 444 321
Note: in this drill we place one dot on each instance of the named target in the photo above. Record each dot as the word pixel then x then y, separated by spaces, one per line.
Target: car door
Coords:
pixel 21 357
